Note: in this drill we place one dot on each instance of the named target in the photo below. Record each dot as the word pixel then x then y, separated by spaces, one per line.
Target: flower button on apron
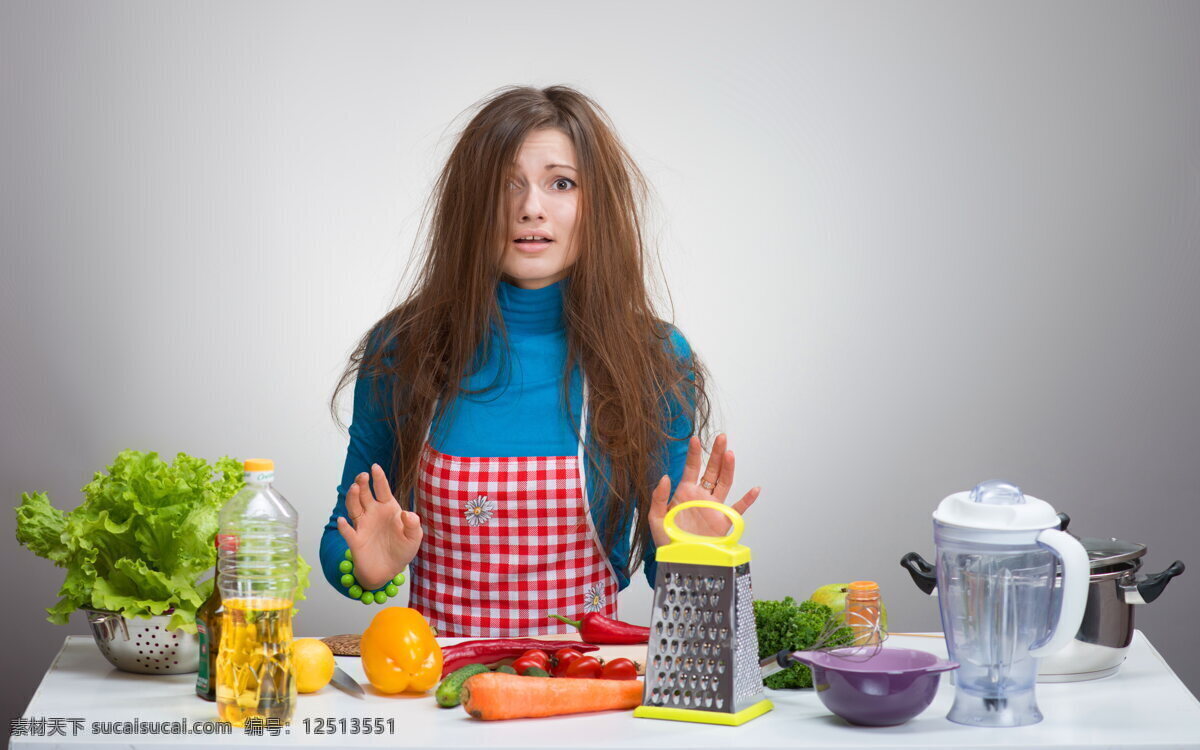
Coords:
pixel 479 510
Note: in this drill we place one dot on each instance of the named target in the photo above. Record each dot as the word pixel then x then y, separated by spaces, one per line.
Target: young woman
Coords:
pixel 534 415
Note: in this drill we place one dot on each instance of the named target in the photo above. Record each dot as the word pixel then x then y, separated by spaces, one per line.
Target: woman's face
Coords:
pixel 543 195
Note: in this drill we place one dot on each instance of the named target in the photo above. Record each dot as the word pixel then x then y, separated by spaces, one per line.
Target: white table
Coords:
pixel 1144 705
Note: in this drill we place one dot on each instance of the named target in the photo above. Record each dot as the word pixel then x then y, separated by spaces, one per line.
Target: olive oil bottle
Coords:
pixel 208 627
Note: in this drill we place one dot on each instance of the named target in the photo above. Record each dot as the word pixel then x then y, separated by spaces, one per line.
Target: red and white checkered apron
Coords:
pixel 508 542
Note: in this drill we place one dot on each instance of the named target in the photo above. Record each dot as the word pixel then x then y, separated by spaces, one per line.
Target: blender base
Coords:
pixel 1015 710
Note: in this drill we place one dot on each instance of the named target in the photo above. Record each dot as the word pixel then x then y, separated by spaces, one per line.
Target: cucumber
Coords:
pixel 448 692
pixel 506 669
pixel 536 672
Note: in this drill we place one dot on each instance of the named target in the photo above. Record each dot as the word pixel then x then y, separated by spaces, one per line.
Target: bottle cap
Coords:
pixel 258 464
pixel 864 586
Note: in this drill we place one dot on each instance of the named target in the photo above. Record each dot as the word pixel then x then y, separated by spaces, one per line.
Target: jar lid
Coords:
pixel 1105 552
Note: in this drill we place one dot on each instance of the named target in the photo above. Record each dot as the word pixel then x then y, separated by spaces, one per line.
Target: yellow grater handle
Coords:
pixel 679 535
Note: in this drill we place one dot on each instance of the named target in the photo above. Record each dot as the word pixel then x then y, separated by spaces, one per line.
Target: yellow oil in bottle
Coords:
pixel 255 673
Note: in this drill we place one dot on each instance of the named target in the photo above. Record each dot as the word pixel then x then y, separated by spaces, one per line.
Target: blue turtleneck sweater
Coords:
pixel 520 413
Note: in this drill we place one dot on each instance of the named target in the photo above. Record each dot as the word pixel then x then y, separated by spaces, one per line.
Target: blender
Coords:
pixel 997 556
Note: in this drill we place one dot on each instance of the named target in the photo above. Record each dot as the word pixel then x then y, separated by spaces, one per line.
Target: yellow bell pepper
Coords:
pixel 400 653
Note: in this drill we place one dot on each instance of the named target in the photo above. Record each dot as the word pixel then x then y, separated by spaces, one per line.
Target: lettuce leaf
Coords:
pixel 141 540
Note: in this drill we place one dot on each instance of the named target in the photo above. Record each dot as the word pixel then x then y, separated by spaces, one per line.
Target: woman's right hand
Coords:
pixel 383 537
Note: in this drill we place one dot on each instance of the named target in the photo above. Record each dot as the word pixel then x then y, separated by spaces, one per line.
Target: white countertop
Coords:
pixel 1144 705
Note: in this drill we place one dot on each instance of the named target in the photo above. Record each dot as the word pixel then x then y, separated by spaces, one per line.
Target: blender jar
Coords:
pixel 997 556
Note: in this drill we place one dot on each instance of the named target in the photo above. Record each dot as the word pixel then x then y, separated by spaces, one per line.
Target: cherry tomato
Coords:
pixel 619 669
pixel 539 656
pixel 584 666
pixel 563 658
pixel 523 664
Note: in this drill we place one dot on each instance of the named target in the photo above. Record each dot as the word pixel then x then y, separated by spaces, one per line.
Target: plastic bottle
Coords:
pixel 862 612
pixel 256 572
pixel 208 627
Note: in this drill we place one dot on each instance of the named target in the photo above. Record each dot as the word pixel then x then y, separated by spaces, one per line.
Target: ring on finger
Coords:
pixel 707 484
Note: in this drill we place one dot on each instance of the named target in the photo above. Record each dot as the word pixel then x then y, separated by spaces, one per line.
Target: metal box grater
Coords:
pixel 702 664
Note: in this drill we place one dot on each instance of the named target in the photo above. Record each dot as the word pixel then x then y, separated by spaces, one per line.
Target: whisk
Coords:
pixel 850 637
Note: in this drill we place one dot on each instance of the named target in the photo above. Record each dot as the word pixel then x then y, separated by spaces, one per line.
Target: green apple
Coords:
pixel 833 595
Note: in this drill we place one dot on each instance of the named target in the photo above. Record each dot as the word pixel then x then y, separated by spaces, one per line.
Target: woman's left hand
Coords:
pixel 713 485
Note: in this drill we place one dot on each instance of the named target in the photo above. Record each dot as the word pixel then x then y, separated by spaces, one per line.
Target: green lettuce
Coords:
pixel 142 538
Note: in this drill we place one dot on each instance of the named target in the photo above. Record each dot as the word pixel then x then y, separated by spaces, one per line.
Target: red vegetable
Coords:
pixel 596 628
pixel 563 658
pixel 537 655
pixel 493 650
pixel 586 667
pixel 525 663
pixel 619 669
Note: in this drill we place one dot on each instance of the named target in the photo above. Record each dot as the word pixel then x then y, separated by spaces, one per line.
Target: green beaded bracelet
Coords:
pixel 379 596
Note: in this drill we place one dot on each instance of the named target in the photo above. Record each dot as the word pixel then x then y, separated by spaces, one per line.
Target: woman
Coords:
pixel 533 413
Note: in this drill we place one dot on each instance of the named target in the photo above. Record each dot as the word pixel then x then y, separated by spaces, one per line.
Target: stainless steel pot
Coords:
pixel 1115 586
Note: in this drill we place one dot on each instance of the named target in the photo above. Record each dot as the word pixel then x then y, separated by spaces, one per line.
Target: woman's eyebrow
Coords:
pixel 561 166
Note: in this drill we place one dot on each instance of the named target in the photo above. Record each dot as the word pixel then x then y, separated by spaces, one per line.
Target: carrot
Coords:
pixel 495 695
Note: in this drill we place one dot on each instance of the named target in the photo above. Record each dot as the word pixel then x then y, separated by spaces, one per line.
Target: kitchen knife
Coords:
pixel 347 684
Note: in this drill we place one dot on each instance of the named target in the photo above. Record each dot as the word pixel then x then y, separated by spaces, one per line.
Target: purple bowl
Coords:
pixel 883 689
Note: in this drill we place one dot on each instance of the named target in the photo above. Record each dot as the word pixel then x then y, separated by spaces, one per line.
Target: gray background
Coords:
pixel 918 244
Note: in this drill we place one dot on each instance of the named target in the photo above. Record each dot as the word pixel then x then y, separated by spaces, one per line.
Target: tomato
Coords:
pixel 563 658
pixel 619 669
pixel 539 656
pixel 584 666
pixel 524 663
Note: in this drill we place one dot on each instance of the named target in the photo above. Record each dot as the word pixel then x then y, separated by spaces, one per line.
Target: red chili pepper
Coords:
pixel 596 628
pixel 584 666
pixel 619 669
pixel 493 650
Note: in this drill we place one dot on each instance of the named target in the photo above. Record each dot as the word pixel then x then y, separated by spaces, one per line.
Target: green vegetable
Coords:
pixel 506 669
pixel 536 672
pixel 448 693
pixel 785 624
pixel 141 539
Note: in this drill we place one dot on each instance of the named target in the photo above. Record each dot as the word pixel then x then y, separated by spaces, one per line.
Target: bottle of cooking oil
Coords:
pixel 256 569
pixel 208 628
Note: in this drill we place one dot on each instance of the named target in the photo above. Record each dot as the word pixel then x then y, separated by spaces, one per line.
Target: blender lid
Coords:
pixel 1105 552
pixel 996 505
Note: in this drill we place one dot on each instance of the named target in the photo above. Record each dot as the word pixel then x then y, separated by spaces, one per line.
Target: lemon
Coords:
pixel 314 664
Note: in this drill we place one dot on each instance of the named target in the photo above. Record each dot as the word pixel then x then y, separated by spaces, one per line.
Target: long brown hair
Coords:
pixel 424 347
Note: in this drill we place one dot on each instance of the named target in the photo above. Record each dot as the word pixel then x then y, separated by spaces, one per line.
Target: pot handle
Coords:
pixel 921 571
pixel 1150 587
pixel 1075 579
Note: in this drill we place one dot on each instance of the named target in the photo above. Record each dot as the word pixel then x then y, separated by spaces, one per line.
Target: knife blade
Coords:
pixel 347 684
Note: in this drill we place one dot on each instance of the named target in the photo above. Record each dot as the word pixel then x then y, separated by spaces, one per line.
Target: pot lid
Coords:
pixel 1105 552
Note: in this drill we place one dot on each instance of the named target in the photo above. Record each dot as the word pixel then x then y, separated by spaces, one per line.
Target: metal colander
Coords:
pixel 702 664
pixel 144 645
